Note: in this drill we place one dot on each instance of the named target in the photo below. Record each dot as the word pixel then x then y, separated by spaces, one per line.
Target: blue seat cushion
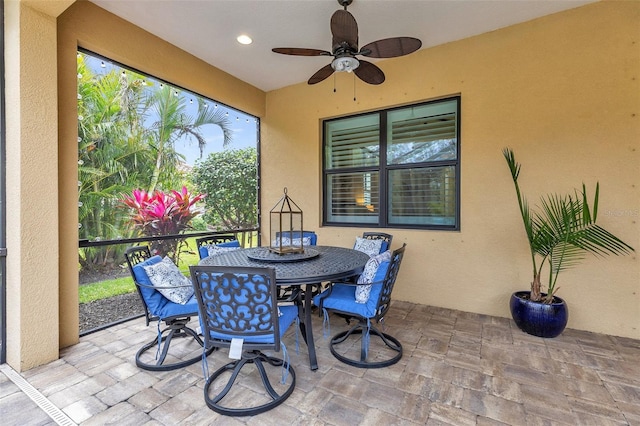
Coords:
pixel 157 304
pixel 204 250
pixel 287 316
pixel 342 296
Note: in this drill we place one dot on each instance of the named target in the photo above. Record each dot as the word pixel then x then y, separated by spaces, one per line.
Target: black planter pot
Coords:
pixel 538 319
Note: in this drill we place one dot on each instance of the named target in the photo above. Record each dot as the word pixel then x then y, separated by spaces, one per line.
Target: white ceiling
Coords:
pixel 208 28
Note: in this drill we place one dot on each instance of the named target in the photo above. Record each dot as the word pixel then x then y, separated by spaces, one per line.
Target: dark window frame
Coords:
pixel 383 169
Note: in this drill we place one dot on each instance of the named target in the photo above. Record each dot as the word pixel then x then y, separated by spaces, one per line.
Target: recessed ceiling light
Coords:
pixel 244 39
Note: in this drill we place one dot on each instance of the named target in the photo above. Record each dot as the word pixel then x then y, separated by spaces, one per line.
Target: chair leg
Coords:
pixel 259 360
pixel 175 328
pixel 361 328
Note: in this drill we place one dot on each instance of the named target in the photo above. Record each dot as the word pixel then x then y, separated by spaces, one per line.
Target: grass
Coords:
pixel 109 288
pixel 104 289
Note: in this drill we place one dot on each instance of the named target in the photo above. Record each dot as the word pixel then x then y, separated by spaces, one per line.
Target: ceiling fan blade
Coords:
pixel 391 47
pixel 344 28
pixel 321 74
pixel 298 51
pixel 369 73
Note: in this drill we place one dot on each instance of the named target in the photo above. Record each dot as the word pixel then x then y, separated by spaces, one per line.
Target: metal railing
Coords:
pixel 86 243
pixel 245 236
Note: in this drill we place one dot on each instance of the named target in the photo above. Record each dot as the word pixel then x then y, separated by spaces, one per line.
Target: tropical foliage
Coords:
pixel 112 155
pixel 127 130
pixel 560 232
pixel 160 213
pixel 229 178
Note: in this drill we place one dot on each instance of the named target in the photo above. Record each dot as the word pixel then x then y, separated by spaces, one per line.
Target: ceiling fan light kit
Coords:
pixel 344 30
pixel 345 63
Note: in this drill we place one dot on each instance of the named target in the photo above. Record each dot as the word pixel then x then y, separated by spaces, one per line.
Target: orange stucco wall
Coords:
pixel 31 186
pixel 563 91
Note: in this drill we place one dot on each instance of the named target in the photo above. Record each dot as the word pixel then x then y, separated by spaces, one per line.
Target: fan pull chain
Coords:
pixel 334 82
pixel 354 87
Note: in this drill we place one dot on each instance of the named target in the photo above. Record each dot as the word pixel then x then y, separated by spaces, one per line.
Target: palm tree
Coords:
pixel 561 232
pixel 172 123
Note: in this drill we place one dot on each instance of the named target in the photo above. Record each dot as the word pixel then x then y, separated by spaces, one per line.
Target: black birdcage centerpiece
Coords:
pixel 285 227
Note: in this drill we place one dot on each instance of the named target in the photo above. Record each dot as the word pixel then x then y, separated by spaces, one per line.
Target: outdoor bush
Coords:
pixel 163 213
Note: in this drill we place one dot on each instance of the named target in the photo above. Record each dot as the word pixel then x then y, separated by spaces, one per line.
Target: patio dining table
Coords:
pixel 316 265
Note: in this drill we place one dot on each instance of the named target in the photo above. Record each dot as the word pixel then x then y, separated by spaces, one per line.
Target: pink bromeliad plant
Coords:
pixel 161 213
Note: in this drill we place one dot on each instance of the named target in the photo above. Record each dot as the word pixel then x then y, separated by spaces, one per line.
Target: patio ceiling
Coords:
pixel 208 28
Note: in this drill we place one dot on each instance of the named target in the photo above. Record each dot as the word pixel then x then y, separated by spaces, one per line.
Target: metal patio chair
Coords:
pixel 239 311
pixel 341 298
pixel 159 309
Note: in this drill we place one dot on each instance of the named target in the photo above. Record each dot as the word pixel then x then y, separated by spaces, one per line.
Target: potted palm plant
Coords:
pixel 560 231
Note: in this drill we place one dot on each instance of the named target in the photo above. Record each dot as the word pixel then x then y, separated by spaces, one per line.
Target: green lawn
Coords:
pixel 109 288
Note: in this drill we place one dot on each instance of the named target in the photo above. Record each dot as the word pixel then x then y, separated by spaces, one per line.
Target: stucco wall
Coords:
pixel 31 160
pixel 563 92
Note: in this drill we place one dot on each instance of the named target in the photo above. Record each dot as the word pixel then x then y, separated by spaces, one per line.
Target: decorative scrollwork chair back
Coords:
pixel 158 308
pixel 384 301
pixel 238 304
pixel 340 298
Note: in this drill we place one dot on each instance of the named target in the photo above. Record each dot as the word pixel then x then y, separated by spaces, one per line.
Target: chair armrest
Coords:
pixel 355 284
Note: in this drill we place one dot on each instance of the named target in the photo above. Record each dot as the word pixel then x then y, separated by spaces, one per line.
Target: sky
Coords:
pixel 244 126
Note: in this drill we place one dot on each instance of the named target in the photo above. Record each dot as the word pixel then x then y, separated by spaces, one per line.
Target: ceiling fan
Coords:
pixel 344 30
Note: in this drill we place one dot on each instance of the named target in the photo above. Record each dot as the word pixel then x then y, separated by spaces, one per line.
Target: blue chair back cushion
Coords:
pixel 310 236
pixel 157 304
pixel 342 296
pixel 204 250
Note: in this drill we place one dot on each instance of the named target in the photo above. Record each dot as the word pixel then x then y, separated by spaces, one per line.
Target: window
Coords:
pixel 394 168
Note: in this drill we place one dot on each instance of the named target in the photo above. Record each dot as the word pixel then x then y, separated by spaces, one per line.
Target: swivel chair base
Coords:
pixel 388 340
pixel 258 359
pixel 176 328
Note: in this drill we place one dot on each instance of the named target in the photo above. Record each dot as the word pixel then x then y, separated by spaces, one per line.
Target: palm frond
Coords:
pixel 562 229
pixel 565 256
pixel 598 241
